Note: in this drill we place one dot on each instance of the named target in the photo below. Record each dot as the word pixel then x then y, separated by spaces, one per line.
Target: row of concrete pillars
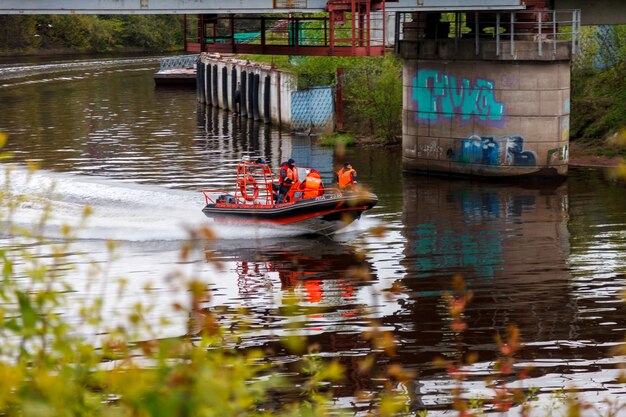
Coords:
pixel 246 95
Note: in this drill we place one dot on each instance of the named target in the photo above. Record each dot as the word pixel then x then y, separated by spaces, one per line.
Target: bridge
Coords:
pixel 486 83
pixel 597 12
pixel 227 7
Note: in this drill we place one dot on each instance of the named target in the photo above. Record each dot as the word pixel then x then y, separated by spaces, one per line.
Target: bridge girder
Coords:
pixel 594 12
pixel 233 6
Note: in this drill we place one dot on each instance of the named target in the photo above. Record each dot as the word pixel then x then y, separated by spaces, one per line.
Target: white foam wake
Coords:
pixel 122 211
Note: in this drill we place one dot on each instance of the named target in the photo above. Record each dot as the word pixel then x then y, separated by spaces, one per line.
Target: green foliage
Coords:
pixel 589 47
pixel 152 32
pixel 598 103
pixel 90 33
pixel 337 139
pixel 107 35
pixel 374 87
pixel 18 33
pixel 280 61
pixel 608 153
pixel 598 84
pixel 315 71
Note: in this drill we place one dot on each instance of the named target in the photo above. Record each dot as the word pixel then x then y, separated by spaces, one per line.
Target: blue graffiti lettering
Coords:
pixel 441 96
pixel 492 150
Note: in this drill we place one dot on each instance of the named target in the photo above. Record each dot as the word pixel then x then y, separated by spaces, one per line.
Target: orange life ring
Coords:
pixel 244 183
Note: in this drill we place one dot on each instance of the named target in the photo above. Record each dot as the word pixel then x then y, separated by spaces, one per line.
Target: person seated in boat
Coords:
pixel 287 176
pixel 346 177
pixel 312 186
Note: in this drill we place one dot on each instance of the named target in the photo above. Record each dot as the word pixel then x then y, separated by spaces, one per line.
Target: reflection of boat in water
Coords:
pixel 325 277
pixel 253 201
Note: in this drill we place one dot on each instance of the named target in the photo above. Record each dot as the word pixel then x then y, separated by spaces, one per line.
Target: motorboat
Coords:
pixel 253 200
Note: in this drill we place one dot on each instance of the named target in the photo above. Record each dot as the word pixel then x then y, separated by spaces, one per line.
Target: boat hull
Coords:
pixel 324 214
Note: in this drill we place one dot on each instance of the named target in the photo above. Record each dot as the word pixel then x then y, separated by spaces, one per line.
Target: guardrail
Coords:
pixel 180 61
pixel 545 28
pixel 349 34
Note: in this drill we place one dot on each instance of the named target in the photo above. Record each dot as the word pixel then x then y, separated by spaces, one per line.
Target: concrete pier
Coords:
pixel 497 108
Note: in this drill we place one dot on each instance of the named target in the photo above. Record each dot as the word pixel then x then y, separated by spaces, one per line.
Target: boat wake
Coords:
pixel 122 211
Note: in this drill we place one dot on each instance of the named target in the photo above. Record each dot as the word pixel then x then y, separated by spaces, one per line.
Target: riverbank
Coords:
pixel 592 156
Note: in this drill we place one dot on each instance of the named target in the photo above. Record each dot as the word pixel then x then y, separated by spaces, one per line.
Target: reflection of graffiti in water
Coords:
pixel 437 252
pixel 493 150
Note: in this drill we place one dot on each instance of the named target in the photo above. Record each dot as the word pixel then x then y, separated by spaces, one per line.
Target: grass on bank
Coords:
pixel 598 104
pixel 336 139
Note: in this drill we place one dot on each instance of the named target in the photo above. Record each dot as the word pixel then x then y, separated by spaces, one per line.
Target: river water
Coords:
pixel 549 258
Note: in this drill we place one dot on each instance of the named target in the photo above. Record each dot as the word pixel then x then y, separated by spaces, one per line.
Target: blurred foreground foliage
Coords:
pixel 63 354
pixel 29 34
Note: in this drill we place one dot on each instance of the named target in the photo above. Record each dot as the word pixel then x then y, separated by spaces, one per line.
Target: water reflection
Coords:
pixel 511 245
pixel 551 259
pixel 316 287
pixel 328 281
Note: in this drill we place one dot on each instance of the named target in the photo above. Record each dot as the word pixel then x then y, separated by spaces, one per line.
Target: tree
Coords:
pixel 374 86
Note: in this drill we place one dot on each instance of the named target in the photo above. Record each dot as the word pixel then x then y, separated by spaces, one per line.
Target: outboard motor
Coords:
pixel 225 199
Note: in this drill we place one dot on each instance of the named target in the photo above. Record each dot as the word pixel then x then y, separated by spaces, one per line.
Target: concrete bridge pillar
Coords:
pixel 491 108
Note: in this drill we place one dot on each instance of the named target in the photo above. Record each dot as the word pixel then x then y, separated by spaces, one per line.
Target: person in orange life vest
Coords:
pixel 287 176
pixel 312 185
pixel 346 177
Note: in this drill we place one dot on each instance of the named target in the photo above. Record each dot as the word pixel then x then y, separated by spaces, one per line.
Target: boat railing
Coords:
pixel 212 197
pixel 207 195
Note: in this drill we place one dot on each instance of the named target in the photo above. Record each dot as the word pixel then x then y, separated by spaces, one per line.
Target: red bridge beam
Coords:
pixel 351 28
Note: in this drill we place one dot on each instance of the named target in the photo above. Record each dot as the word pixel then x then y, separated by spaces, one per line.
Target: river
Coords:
pixel 549 258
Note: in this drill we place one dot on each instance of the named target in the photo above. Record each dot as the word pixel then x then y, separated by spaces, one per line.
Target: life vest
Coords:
pixel 292 174
pixel 345 177
pixel 312 185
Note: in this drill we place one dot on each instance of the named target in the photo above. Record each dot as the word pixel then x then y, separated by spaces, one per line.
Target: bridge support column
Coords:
pixel 493 112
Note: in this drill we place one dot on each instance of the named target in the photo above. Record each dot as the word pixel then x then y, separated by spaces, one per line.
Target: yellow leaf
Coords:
pixel 33 165
pixel 87 211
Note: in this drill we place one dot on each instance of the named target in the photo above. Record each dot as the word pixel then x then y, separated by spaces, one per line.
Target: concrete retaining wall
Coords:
pixel 220 92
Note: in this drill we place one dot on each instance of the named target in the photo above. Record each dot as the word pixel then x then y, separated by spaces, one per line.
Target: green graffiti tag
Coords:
pixel 440 96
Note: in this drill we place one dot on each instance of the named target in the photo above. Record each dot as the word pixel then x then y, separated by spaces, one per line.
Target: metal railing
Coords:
pixel 266 34
pixel 545 28
pixel 180 61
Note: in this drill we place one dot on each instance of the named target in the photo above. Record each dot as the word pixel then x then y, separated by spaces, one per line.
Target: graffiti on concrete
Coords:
pixel 565 129
pixel 443 97
pixel 493 150
pixel 430 151
pixel 558 156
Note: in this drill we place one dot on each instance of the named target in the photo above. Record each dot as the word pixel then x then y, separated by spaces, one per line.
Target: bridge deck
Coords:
pixel 226 7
